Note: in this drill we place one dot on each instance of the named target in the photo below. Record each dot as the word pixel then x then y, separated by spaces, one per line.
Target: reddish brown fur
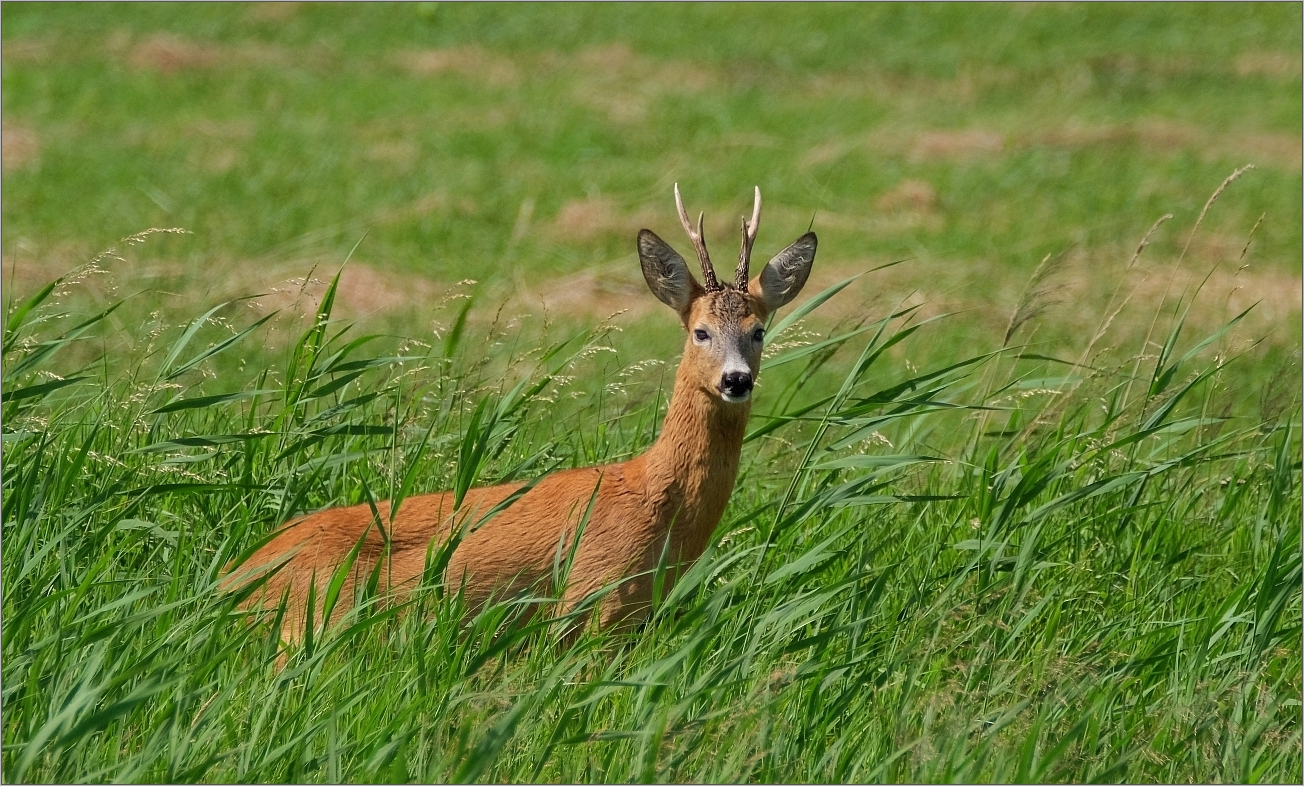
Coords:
pixel 668 500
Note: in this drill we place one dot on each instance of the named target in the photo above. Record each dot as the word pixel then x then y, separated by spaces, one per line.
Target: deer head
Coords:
pixel 725 322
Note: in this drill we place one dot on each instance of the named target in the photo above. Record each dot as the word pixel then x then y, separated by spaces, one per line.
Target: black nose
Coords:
pixel 736 383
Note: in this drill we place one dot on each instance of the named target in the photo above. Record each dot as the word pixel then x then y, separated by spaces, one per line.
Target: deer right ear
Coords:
pixel 666 272
pixel 785 275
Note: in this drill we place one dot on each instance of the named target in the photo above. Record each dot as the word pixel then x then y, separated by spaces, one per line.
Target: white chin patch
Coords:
pixel 735 399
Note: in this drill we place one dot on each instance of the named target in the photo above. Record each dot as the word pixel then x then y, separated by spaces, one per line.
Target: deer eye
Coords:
pixel 701 335
pixel 759 334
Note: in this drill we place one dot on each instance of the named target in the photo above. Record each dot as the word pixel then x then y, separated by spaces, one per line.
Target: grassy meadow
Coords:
pixel 1021 494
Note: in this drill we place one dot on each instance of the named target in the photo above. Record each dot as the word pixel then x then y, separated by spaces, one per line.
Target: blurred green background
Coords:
pixel 522 146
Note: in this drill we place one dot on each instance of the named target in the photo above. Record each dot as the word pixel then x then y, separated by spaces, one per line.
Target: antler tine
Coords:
pixel 749 238
pixel 699 243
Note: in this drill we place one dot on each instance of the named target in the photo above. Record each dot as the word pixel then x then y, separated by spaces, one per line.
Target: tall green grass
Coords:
pixel 1004 567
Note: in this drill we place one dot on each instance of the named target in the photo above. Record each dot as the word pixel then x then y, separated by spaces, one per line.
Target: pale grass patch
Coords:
pixel 19 146
pixel 584 219
pixel 599 216
pixel 672 76
pixel 273 12
pixel 26 50
pixel 1163 137
pixel 1073 134
pixel 439 202
pixel 363 290
pixel 294 287
pixel 904 90
pixel 829 151
pixel 1254 63
pixel 936 288
pixel 166 53
pixel 1277 65
pixel 1277 149
pixel 1227 292
pixel 869 220
pixel 30 264
pixel 221 161
pixel 987 290
pixel 239 130
pixel 469 61
pixel 960 144
pixel 751 139
pixel 399 152
pixel 910 195
pixel 218 146
pixel 623 84
pixel 915 145
pixel 595 291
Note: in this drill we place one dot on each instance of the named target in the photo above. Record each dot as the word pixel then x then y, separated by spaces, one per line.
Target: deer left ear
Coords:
pixel 785 275
pixel 666 273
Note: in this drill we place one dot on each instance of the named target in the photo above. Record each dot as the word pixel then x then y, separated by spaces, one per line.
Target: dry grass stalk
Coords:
pixel 1136 369
pixel 1037 296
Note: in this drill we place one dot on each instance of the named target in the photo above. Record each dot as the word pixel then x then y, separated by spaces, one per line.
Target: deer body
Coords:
pixel 660 506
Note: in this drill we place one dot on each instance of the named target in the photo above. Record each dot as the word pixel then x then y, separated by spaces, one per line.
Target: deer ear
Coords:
pixel 666 272
pixel 785 275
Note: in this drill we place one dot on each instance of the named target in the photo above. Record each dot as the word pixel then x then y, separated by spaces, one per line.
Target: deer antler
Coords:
pixel 749 237
pixel 699 243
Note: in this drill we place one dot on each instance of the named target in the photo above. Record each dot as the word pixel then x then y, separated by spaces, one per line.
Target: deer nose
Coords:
pixel 736 384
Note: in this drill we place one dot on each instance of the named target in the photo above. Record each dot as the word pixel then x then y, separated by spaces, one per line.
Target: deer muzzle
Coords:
pixel 736 386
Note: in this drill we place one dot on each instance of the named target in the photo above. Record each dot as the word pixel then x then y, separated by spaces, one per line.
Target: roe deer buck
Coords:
pixel 664 502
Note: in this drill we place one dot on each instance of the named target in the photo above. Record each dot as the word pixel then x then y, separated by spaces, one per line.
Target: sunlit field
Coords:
pixel 1020 497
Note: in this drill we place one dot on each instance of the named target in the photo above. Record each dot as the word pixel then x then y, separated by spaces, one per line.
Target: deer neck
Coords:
pixel 690 470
